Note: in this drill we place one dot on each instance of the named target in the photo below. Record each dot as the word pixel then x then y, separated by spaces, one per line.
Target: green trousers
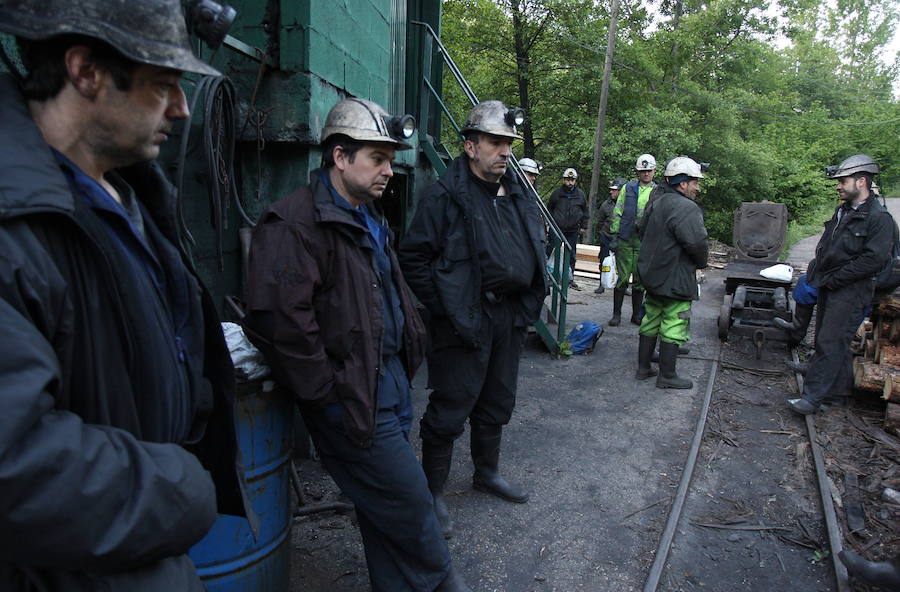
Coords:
pixel 626 263
pixel 667 318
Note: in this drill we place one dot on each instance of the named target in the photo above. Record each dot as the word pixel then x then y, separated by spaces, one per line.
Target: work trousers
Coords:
pixel 667 318
pixel 838 314
pixel 626 263
pixel 604 251
pixel 405 550
pixel 572 239
pixel 479 384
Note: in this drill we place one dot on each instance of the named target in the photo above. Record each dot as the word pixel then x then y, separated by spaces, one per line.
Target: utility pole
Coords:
pixel 601 119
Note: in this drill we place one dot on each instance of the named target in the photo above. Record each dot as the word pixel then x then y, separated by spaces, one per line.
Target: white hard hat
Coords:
pixel 365 121
pixel 570 173
pixel 683 165
pixel 529 166
pixel 645 162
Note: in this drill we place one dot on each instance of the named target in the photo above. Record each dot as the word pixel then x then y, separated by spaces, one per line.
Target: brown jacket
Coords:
pixel 315 307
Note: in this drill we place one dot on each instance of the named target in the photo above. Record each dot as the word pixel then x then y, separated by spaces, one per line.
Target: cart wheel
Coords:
pixel 725 317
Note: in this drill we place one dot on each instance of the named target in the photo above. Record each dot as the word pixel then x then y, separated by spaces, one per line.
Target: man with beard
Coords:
pixel 474 256
pixel 329 308
pixel 674 246
pixel 569 209
pixel 855 246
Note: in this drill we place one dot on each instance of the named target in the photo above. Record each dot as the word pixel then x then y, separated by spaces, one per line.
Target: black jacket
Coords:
pixel 439 253
pixel 569 211
pixel 673 245
pixel 315 306
pixel 854 249
pixel 85 500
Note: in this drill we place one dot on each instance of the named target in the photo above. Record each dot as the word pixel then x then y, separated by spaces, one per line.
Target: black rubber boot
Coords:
pixel 646 346
pixel 486 456
pixel 637 306
pixel 436 460
pixel 600 290
pixel 668 356
pixel 802 318
pixel 884 574
pixel 618 299
pixel 682 351
pixel 453 582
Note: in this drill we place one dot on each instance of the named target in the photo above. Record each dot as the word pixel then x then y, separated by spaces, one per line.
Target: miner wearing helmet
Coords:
pixel 117 447
pixel 569 209
pixel 474 256
pixel 674 245
pixel 604 223
pixel 856 245
pixel 329 307
pixel 531 170
pixel 625 241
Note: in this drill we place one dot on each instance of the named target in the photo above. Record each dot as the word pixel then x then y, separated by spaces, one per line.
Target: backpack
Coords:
pixel 583 337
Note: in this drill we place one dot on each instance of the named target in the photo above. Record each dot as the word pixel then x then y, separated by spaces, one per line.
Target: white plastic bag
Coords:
pixel 608 275
pixel 780 272
pixel 246 358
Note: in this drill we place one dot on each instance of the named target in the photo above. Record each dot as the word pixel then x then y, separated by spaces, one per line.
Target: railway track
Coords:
pixel 676 519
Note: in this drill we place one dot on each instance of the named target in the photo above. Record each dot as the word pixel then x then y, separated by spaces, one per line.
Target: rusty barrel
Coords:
pixel 229 558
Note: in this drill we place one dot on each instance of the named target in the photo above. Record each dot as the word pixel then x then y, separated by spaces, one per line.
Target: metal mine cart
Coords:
pixel 751 301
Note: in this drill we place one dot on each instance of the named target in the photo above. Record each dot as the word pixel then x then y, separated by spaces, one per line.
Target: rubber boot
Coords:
pixel 646 346
pixel 884 574
pixel 668 356
pixel 797 330
pixel 453 582
pixel 486 456
pixel 436 460
pixel 682 351
pixel 637 306
pixel 618 298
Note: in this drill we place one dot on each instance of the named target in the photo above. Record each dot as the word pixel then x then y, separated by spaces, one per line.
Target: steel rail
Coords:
pixel 831 522
pixel 665 541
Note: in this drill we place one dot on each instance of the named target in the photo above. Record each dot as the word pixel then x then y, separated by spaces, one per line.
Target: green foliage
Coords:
pixel 703 78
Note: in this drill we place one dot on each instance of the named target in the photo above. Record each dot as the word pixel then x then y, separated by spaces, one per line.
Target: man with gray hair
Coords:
pixel 474 256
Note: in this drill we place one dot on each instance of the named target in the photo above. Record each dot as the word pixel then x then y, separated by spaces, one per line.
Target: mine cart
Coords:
pixel 752 301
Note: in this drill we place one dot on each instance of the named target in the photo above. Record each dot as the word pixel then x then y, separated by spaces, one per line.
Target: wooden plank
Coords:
pixel 891 391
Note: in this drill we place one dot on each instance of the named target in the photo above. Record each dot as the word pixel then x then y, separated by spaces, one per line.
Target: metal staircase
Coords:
pixel 552 324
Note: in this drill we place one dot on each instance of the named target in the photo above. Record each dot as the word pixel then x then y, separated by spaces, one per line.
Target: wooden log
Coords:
pixel 895 330
pixel 889 305
pixel 892 416
pixel 891 390
pixel 871 349
pixel 868 375
pixel 880 345
pixel 889 355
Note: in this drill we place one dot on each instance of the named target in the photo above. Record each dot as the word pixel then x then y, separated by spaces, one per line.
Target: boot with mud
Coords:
pixel 486 456
pixel 637 307
pixel 646 346
pixel 668 356
pixel 618 299
pixel 436 460
pixel 682 351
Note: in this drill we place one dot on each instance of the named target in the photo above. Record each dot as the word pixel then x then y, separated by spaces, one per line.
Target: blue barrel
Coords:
pixel 229 558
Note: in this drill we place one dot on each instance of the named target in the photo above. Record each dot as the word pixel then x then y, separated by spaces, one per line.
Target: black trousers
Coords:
pixel 476 384
pixel 405 549
pixel 838 315
pixel 572 239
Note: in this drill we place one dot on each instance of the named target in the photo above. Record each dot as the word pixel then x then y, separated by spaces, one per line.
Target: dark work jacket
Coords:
pixel 85 502
pixel 569 209
pixel 605 217
pixel 315 306
pixel 673 245
pixel 439 252
pixel 854 249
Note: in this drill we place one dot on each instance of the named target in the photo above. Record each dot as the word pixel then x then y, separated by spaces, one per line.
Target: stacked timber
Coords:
pixel 877 368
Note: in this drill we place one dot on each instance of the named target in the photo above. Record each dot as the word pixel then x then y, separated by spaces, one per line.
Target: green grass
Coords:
pixel 798 230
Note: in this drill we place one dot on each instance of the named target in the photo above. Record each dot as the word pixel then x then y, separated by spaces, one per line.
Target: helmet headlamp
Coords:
pixel 402 126
pixel 515 116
